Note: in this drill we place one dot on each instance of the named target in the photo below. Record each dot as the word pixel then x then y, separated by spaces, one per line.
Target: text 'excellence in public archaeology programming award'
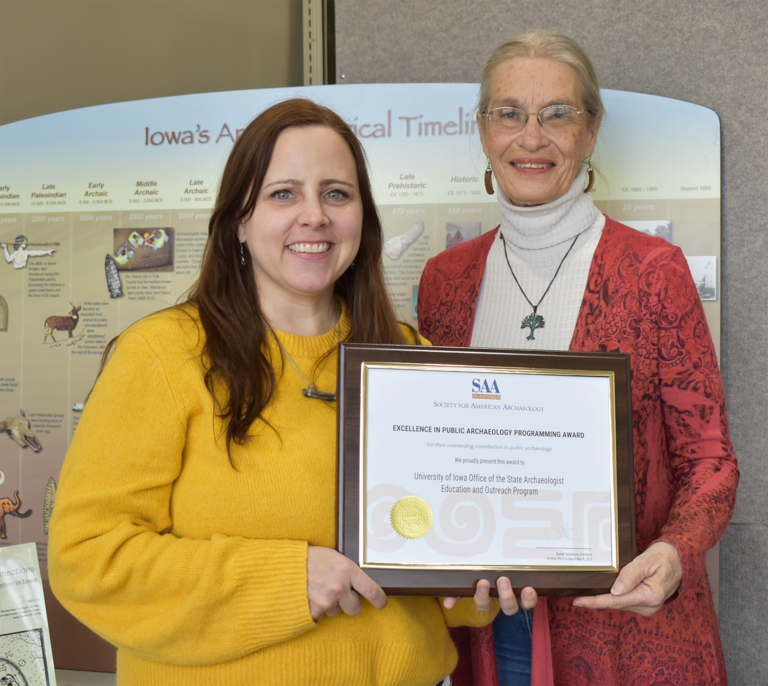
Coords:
pixel 459 464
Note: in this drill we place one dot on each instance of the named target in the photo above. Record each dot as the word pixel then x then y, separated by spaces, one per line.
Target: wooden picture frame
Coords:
pixel 459 577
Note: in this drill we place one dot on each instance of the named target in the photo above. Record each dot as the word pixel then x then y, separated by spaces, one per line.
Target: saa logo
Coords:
pixel 482 389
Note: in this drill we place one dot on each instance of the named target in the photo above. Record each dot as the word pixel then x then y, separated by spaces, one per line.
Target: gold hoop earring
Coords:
pixel 590 176
pixel 489 179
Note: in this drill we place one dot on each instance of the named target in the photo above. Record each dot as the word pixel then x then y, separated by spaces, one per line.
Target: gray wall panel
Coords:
pixel 743 605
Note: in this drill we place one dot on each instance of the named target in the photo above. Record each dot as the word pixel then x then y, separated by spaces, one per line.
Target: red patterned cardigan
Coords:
pixel 639 299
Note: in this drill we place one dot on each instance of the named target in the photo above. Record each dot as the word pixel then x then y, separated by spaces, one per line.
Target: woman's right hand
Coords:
pixel 335 584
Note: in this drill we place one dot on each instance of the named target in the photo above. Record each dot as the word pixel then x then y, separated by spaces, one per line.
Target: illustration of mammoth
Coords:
pixel 7 506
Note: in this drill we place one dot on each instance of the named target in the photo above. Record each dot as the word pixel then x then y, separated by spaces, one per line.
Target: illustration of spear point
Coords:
pixel 16 240
pixel 113 277
pixel 48 502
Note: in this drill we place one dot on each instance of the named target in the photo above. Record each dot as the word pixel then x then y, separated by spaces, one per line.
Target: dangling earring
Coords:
pixel 489 179
pixel 242 254
pixel 590 175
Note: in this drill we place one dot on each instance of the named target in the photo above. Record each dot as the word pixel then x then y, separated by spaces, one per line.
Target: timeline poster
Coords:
pixel 104 214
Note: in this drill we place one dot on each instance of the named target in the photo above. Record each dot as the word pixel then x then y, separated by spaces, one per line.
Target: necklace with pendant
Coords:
pixel 534 321
pixel 311 390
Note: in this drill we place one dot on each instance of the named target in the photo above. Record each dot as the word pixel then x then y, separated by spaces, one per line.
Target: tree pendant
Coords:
pixel 533 321
pixel 312 392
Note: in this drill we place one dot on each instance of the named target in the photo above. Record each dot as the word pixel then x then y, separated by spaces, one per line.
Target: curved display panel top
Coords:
pixel 421 140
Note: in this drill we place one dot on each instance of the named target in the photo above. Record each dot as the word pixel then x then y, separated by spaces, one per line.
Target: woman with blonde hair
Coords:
pixel 559 275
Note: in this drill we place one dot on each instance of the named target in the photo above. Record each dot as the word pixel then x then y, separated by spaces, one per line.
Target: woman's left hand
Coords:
pixel 644 584
pixel 507 600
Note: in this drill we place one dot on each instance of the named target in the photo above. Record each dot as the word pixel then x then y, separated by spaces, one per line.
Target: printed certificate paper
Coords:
pixel 466 467
pixel 516 467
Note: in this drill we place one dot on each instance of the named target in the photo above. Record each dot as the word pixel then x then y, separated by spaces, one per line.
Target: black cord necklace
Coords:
pixel 534 321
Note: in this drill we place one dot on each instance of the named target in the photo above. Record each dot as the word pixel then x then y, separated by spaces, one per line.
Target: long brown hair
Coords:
pixel 226 294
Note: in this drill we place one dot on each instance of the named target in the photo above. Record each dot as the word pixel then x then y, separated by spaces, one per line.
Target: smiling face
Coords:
pixel 532 166
pixel 305 229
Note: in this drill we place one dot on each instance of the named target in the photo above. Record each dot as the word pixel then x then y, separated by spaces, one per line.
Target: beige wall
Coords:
pixel 64 54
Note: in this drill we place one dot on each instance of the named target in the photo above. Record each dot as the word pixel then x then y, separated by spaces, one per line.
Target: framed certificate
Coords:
pixel 459 464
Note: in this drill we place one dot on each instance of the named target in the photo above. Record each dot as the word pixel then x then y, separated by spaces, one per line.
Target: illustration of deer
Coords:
pixel 7 506
pixel 67 323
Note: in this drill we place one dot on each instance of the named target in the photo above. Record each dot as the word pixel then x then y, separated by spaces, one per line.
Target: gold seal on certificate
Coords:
pixel 411 517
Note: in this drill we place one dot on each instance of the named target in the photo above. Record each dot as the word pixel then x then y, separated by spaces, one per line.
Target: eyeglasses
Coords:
pixel 553 118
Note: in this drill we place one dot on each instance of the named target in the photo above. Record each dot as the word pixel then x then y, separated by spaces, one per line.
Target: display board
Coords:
pixel 104 211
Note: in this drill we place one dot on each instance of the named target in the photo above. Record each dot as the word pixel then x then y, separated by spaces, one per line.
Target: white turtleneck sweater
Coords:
pixel 537 238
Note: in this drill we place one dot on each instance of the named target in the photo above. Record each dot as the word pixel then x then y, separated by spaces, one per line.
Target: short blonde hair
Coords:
pixel 551 46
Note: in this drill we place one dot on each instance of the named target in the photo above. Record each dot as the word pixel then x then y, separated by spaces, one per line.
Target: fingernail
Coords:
pixel 503 583
pixel 578 604
pixel 527 594
pixel 618 588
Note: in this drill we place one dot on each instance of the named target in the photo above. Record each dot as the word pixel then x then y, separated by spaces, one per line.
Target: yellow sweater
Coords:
pixel 196 570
